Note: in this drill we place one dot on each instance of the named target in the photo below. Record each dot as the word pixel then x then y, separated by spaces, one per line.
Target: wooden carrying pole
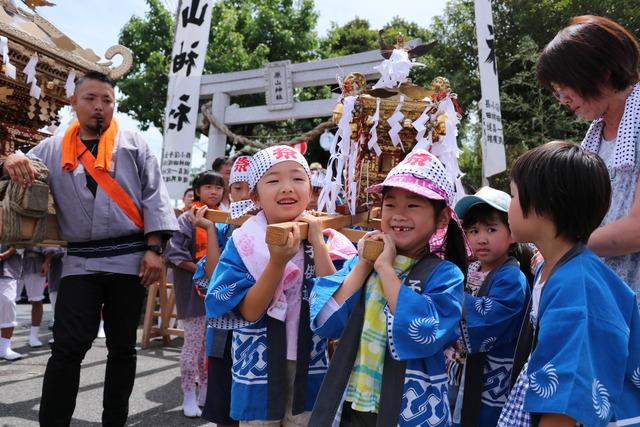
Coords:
pixel 277 233
pixel 162 294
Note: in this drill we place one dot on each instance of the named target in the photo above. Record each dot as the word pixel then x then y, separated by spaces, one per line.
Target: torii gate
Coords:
pixel 220 87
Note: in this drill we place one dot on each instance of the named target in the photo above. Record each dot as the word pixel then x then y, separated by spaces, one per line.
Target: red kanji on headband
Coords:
pixel 285 153
pixel 241 164
pixel 418 159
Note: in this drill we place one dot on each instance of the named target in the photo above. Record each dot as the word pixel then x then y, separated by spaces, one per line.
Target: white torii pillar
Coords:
pixel 217 139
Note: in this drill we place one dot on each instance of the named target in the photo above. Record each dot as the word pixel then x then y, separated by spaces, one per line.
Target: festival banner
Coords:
pixel 493 155
pixel 181 112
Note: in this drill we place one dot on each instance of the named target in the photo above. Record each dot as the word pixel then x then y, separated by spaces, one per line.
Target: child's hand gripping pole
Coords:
pixel 372 249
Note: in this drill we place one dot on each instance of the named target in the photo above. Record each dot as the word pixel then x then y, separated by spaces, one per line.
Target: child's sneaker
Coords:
pixel 34 342
pixel 10 355
pixel 190 407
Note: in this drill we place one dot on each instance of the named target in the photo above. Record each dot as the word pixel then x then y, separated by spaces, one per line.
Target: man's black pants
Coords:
pixel 80 301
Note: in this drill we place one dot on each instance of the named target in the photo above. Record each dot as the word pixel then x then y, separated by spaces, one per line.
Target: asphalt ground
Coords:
pixel 156 399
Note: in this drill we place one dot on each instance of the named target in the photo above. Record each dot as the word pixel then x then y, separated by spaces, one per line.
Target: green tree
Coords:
pixel 145 86
pixel 530 115
pixel 245 34
pixel 353 37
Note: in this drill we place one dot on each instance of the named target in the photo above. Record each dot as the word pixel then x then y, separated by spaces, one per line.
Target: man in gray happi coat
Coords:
pixel 112 256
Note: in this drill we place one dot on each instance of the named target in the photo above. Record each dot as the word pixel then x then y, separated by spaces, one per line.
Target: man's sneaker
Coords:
pixel 10 355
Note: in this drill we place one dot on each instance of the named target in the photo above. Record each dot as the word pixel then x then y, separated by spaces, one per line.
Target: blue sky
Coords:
pixel 95 24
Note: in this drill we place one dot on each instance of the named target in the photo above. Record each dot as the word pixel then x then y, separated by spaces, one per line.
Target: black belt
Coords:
pixel 108 247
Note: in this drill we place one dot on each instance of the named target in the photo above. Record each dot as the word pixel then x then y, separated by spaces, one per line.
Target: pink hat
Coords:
pixel 421 173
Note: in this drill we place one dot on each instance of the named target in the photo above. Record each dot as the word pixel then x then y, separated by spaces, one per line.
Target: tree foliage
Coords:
pixel 530 115
pixel 245 34
pixel 150 40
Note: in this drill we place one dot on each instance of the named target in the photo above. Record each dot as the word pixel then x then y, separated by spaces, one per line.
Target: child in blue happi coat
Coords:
pixel 577 360
pixel 217 406
pixel 261 292
pixel 395 316
pixel 496 294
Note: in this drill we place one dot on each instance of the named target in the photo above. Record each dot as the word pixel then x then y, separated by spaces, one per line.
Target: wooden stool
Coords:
pixel 160 305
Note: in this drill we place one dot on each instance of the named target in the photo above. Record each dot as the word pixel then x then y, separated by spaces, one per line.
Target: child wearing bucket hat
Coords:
pixel 496 294
pixel 396 316
pixel 261 292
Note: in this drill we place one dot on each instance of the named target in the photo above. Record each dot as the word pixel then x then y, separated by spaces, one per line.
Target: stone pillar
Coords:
pixel 217 139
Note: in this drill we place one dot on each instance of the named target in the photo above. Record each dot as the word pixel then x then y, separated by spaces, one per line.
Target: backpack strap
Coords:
pixel 337 377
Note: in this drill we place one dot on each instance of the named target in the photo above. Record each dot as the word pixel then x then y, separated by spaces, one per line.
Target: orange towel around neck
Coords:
pixel 201 236
pixel 105 146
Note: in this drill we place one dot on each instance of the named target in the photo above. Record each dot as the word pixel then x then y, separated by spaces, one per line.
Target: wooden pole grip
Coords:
pixel 221 217
pixel 277 233
pixel 372 249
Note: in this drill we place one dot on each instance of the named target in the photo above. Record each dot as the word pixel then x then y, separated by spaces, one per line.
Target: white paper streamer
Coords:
pixel 352 187
pixel 35 90
pixel 373 139
pixel 30 71
pixel 339 156
pixel 30 68
pixel 70 85
pixel 394 70
pixel 420 126
pixel 424 143
pixel 395 121
pixel 446 149
pixel 9 69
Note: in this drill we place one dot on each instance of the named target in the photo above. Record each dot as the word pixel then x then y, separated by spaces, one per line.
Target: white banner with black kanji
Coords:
pixel 181 112
pixel 493 155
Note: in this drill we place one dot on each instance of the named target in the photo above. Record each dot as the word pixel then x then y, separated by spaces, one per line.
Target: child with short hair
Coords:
pixel 186 247
pixel 395 316
pixel 261 292
pixel 496 294
pixel 581 341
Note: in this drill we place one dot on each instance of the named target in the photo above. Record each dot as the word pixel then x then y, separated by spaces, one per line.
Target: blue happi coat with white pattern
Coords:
pixel 424 324
pixel 230 283
pixel 491 325
pixel 586 363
